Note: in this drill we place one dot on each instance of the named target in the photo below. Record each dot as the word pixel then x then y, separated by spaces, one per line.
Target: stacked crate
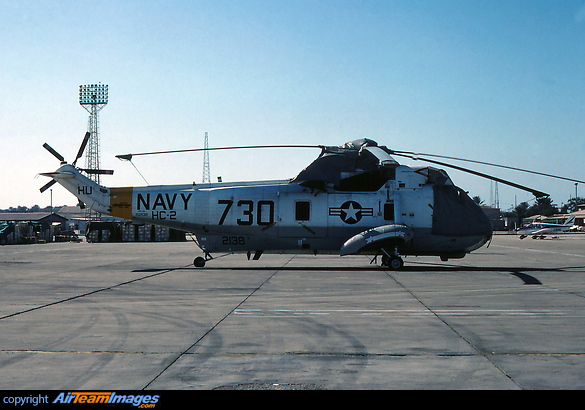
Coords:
pixel 161 234
pixel 143 233
pixel 138 233
pixel 128 233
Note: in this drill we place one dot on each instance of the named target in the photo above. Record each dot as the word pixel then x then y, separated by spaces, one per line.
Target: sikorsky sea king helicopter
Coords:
pixel 353 199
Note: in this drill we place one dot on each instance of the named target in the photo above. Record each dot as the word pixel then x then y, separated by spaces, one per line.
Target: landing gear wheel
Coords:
pixel 393 262
pixel 396 263
pixel 199 262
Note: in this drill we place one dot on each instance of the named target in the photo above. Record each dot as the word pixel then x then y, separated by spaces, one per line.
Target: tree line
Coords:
pixel 34 208
pixel 542 206
pixel 545 207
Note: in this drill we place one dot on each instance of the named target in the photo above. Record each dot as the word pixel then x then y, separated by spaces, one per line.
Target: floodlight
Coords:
pixel 93 94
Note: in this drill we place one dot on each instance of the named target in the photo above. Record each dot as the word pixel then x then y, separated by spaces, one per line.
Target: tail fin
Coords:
pixel 570 221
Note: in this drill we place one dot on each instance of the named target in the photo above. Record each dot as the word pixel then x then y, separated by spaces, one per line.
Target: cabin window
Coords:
pixel 302 210
pixel 389 211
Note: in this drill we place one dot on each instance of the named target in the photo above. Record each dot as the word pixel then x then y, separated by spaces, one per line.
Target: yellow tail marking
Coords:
pixel 121 202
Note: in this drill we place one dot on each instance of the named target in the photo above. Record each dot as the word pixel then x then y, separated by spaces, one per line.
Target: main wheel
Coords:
pixel 199 262
pixel 393 262
pixel 396 263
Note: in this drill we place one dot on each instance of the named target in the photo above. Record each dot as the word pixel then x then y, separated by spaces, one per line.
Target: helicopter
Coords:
pixel 352 199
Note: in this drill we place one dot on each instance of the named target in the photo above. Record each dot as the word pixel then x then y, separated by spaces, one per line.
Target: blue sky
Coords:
pixel 496 81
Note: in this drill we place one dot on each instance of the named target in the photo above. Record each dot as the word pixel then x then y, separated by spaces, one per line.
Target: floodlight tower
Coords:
pixel 93 97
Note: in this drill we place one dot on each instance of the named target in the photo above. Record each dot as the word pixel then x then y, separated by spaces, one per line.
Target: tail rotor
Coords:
pixel 52 151
pixel 48 185
pixel 82 147
pixel 62 160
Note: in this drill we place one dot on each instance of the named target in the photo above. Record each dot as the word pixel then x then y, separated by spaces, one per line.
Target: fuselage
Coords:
pixel 283 216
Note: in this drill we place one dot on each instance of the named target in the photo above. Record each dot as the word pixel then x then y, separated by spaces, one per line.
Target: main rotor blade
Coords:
pixel 128 157
pixel 47 185
pixel 82 147
pixel 535 192
pixel 52 151
pixel 417 154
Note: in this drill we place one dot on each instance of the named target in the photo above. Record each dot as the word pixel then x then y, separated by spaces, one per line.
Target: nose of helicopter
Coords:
pixel 483 226
pixel 482 241
pixel 455 214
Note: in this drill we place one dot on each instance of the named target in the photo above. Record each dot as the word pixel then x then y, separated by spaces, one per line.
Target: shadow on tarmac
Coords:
pixel 519 272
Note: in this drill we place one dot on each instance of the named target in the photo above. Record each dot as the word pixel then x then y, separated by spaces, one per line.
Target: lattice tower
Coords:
pixel 206 173
pixel 93 98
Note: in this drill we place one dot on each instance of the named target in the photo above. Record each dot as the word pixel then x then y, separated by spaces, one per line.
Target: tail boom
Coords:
pixel 87 191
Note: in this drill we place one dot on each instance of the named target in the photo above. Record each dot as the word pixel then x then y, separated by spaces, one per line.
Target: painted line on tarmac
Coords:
pixel 407 312
pixel 538 250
